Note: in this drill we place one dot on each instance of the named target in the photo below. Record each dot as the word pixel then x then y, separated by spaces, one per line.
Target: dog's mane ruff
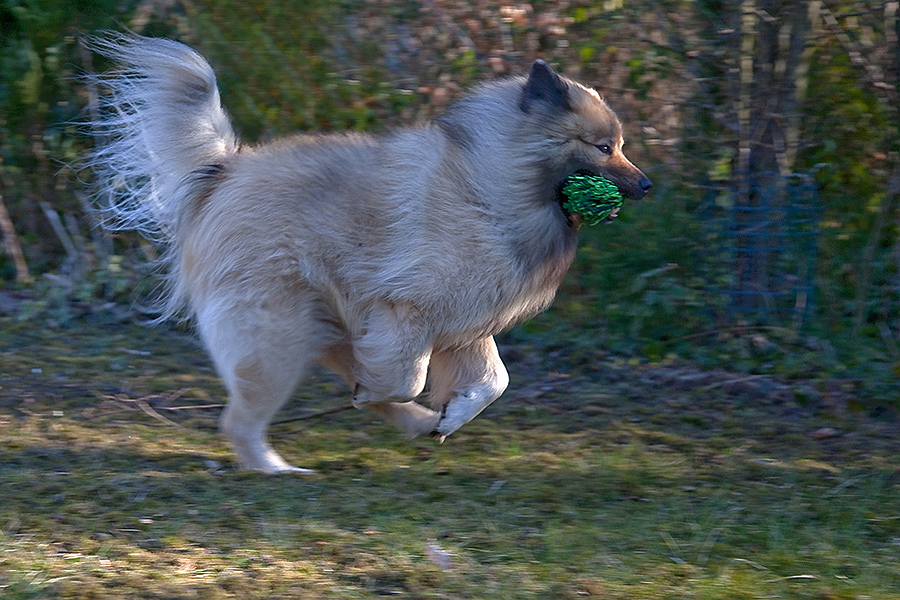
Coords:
pixel 518 139
pixel 519 175
pixel 160 120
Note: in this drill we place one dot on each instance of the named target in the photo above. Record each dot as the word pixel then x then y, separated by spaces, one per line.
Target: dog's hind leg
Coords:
pixel 464 381
pixel 261 354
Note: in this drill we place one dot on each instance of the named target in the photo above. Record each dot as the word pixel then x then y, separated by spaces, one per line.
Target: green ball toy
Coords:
pixel 592 197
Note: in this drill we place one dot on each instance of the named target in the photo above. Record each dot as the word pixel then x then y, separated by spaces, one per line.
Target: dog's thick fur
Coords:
pixel 390 260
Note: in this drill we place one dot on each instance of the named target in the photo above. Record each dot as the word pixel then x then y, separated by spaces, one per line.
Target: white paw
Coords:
pixel 268 461
pixel 281 468
pixel 292 469
pixel 462 409
pixel 454 417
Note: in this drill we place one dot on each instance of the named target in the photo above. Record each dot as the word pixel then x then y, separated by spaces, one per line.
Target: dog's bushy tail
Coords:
pixel 159 121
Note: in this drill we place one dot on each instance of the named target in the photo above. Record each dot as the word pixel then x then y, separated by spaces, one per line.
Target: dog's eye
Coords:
pixel 605 149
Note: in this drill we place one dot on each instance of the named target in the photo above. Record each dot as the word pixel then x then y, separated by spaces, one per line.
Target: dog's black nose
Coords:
pixel 645 184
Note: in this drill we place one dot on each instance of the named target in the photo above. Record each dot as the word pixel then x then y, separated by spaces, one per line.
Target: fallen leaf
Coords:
pixel 824 433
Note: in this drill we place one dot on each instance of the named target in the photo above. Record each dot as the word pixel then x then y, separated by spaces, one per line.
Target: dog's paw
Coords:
pixel 270 463
pixel 278 469
pixel 292 470
pixel 451 421
pixel 467 405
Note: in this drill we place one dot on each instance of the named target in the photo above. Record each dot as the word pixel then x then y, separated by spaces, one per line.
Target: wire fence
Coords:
pixel 765 230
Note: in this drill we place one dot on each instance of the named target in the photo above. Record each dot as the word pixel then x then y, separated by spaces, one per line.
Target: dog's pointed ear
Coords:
pixel 544 85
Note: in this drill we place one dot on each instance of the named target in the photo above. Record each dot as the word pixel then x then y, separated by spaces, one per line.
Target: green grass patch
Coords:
pixel 620 480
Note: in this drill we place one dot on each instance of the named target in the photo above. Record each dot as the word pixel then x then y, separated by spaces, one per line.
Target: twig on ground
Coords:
pixel 142 404
pixel 710 332
pixel 191 407
pixel 713 386
pixel 321 413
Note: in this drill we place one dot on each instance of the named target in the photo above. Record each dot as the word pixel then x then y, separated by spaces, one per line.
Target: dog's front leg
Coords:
pixel 391 359
pixel 465 381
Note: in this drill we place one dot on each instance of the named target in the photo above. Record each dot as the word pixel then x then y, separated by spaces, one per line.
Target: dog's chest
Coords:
pixel 496 305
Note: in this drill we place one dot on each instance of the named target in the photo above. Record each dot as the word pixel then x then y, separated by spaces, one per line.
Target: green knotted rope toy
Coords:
pixel 592 197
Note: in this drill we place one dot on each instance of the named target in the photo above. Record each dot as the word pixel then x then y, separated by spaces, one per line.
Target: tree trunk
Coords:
pixel 773 65
pixel 11 242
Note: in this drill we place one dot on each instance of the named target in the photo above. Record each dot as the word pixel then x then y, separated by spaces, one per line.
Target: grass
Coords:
pixel 616 480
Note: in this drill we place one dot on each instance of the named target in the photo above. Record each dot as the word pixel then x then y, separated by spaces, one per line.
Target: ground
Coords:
pixel 616 479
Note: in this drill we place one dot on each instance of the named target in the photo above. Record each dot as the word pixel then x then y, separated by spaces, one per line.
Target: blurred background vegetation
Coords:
pixel 770 128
